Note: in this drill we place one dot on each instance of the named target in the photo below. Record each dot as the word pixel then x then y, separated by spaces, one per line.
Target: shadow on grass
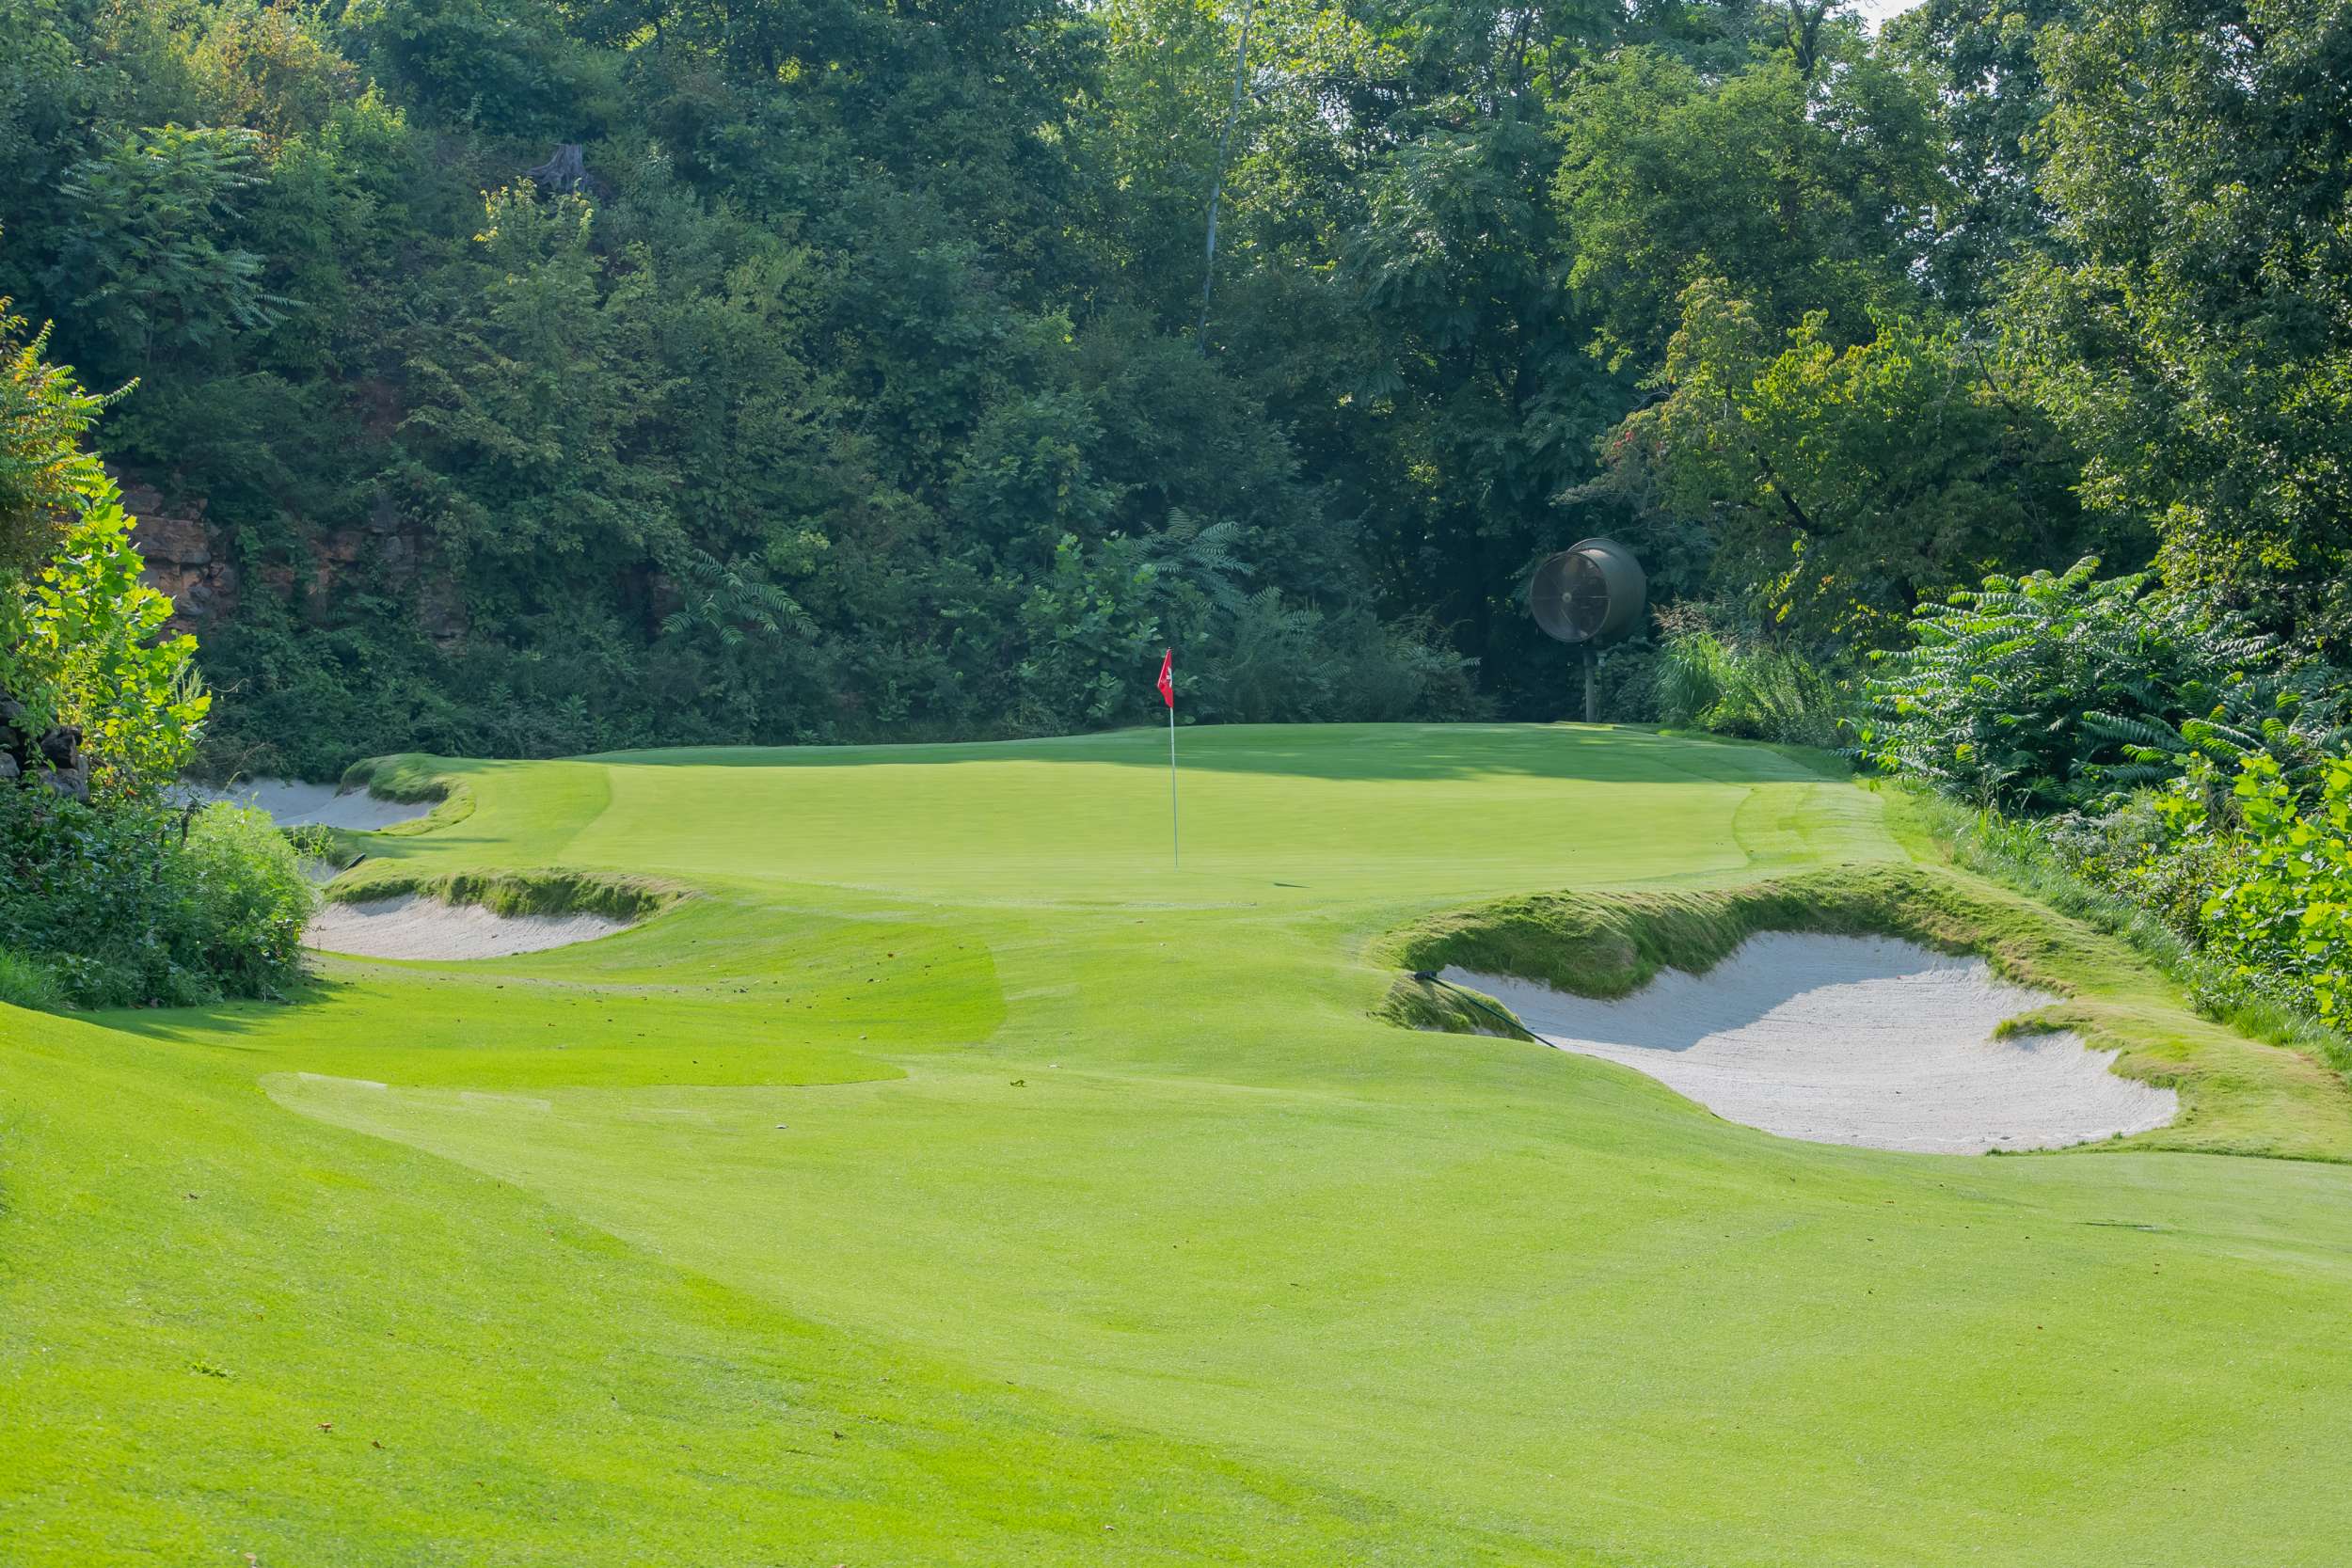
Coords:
pixel 1599 754
pixel 216 1023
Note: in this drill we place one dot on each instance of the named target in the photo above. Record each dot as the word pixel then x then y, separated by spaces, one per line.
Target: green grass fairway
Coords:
pixel 950 1182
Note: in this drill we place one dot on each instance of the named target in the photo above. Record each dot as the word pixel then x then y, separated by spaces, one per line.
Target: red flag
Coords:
pixel 1167 677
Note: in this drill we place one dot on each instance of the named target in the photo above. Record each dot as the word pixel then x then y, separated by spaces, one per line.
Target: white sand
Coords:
pixel 412 926
pixel 1851 1040
pixel 296 805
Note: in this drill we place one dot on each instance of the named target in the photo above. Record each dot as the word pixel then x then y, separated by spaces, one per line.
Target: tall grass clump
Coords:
pixel 28 983
pixel 1705 680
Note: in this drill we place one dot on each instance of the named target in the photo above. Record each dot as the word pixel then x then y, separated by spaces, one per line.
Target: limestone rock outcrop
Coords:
pixel 188 561
pixel 51 758
pixel 184 559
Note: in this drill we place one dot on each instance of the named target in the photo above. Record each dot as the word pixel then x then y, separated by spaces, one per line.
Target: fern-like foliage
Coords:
pixel 720 599
pixel 1203 553
pixel 2056 690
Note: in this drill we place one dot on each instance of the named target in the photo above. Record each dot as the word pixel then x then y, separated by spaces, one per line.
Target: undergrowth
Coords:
pixel 136 903
pixel 2018 856
pixel 1703 680
pixel 27 983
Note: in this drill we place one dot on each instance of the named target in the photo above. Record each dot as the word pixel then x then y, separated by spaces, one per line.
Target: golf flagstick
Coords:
pixel 1167 695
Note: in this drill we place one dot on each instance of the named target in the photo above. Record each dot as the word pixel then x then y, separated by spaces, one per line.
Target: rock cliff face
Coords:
pixel 188 559
pixel 184 560
pixel 52 758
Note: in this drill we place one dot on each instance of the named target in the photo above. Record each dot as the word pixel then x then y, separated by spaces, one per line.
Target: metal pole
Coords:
pixel 1175 828
pixel 1592 684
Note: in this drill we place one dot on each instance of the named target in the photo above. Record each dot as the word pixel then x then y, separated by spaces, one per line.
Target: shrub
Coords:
pixel 2049 692
pixel 2281 912
pixel 1705 681
pixel 2134 850
pixel 241 883
pixel 121 909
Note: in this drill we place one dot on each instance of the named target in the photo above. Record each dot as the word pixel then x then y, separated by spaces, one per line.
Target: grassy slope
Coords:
pixel 1100 1201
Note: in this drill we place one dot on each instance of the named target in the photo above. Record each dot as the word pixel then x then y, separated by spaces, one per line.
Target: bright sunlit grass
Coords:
pixel 950 1180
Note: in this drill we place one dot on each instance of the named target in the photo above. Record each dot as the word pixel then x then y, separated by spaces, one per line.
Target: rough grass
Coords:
pixel 2011 854
pixel 1415 1001
pixel 549 890
pixel 25 982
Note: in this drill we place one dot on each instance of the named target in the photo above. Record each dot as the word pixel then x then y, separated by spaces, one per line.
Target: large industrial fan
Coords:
pixel 1589 596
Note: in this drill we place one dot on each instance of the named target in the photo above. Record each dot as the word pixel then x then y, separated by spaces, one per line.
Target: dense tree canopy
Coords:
pixel 2194 332
pixel 847 375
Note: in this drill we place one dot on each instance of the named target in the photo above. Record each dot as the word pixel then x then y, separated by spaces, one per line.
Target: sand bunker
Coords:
pixel 1851 1040
pixel 297 805
pixel 413 926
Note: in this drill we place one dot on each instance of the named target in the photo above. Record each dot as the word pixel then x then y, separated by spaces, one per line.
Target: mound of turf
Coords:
pixel 410 777
pixel 549 891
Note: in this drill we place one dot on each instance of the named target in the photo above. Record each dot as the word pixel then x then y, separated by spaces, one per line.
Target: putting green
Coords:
pixel 953 1181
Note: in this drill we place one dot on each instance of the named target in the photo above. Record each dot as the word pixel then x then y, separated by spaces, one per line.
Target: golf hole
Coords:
pixel 1868 1041
pixel 412 925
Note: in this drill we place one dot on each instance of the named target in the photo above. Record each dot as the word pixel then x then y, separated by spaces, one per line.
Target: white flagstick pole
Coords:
pixel 1175 824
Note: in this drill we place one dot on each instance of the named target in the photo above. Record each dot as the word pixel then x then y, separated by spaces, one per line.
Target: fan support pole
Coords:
pixel 1592 684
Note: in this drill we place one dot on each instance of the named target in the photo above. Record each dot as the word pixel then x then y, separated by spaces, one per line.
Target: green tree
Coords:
pixel 538 425
pixel 89 655
pixel 147 259
pixel 1981 60
pixel 499 66
pixel 2195 336
pixel 45 479
pixel 269 68
pixel 79 643
pixel 1837 486
pixel 1805 190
